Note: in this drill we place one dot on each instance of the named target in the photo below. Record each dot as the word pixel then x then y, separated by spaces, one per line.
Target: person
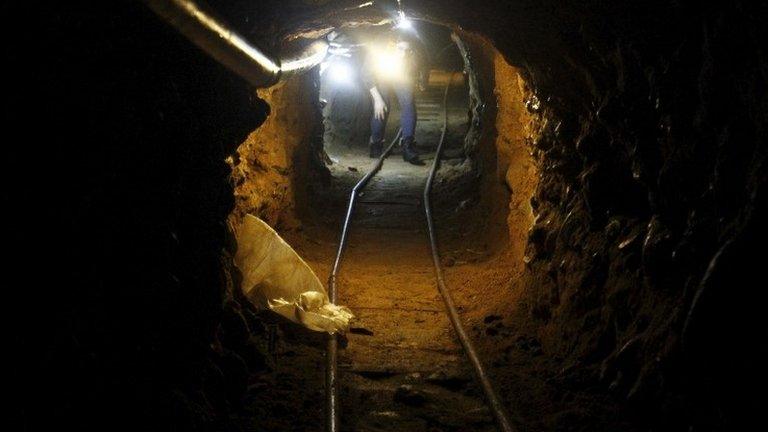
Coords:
pixel 399 69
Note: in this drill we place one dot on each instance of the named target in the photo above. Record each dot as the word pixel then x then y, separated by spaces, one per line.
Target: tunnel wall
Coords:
pixel 501 141
pixel 649 194
pixel 130 320
pixel 274 165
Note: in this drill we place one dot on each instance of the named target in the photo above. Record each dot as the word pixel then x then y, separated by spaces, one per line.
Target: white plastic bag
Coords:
pixel 275 277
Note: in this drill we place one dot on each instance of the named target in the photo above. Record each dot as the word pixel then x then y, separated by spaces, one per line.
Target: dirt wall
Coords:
pixel 275 163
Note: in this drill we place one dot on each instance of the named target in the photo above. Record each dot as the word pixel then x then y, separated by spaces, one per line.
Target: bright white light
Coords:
pixel 340 73
pixel 404 23
pixel 319 52
pixel 390 63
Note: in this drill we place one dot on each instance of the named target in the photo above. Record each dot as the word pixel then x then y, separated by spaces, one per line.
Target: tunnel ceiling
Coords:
pixel 571 51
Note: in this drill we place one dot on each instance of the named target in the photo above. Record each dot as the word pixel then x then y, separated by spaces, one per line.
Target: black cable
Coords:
pixel 331 358
pixel 496 405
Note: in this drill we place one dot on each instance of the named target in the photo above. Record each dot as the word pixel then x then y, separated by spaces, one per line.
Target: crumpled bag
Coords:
pixel 275 277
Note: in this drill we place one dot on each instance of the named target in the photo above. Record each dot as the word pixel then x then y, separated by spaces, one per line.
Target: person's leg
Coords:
pixel 408 123
pixel 407 110
pixel 378 127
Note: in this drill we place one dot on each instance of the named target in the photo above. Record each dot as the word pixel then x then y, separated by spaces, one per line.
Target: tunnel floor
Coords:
pixel 392 200
pixel 402 368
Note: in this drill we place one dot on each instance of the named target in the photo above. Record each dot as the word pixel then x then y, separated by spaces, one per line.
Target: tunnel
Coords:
pixel 598 201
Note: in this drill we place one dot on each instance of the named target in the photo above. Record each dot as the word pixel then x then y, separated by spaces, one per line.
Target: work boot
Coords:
pixel 376 148
pixel 410 154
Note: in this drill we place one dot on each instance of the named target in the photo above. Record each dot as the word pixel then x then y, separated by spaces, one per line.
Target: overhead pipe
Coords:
pixel 304 60
pixel 195 21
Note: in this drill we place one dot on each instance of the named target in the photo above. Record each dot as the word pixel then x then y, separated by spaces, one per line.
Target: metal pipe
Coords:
pixel 331 357
pixel 496 405
pixel 332 383
pixel 195 21
pixel 312 55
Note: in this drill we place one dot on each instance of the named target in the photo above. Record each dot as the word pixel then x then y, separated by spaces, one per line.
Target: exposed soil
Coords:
pixel 402 367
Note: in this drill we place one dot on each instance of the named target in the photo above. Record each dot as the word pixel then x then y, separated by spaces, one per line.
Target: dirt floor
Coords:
pixel 402 368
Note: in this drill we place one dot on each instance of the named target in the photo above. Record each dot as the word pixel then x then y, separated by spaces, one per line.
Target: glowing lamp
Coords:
pixel 339 72
pixel 404 23
pixel 390 63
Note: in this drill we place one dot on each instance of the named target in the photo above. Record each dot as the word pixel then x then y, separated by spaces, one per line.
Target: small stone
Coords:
pixel 361 331
pixel 628 241
pixel 613 228
pixel 437 376
pixel 413 377
pixel 389 414
pixel 407 395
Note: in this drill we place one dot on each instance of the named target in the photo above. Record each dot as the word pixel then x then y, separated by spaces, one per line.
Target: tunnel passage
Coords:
pixel 347 102
pixel 298 167
pixel 400 338
pixel 393 198
pixel 635 307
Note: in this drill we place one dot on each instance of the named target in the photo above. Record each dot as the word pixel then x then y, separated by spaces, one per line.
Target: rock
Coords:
pixel 657 250
pixel 236 375
pixel 256 355
pixel 540 312
pixel 530 344
pixel 407 395
pixel 361 331
pixel 628 241
pixel 234 328
pixel 387 414
pixel 283 171
pixel 613 228
pixel 413 377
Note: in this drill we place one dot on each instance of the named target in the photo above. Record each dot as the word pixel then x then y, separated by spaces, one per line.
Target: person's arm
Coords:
pixel 379 106
pixel 369 81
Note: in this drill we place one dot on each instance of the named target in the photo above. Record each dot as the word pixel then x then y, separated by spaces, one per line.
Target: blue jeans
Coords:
pixel 404 93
